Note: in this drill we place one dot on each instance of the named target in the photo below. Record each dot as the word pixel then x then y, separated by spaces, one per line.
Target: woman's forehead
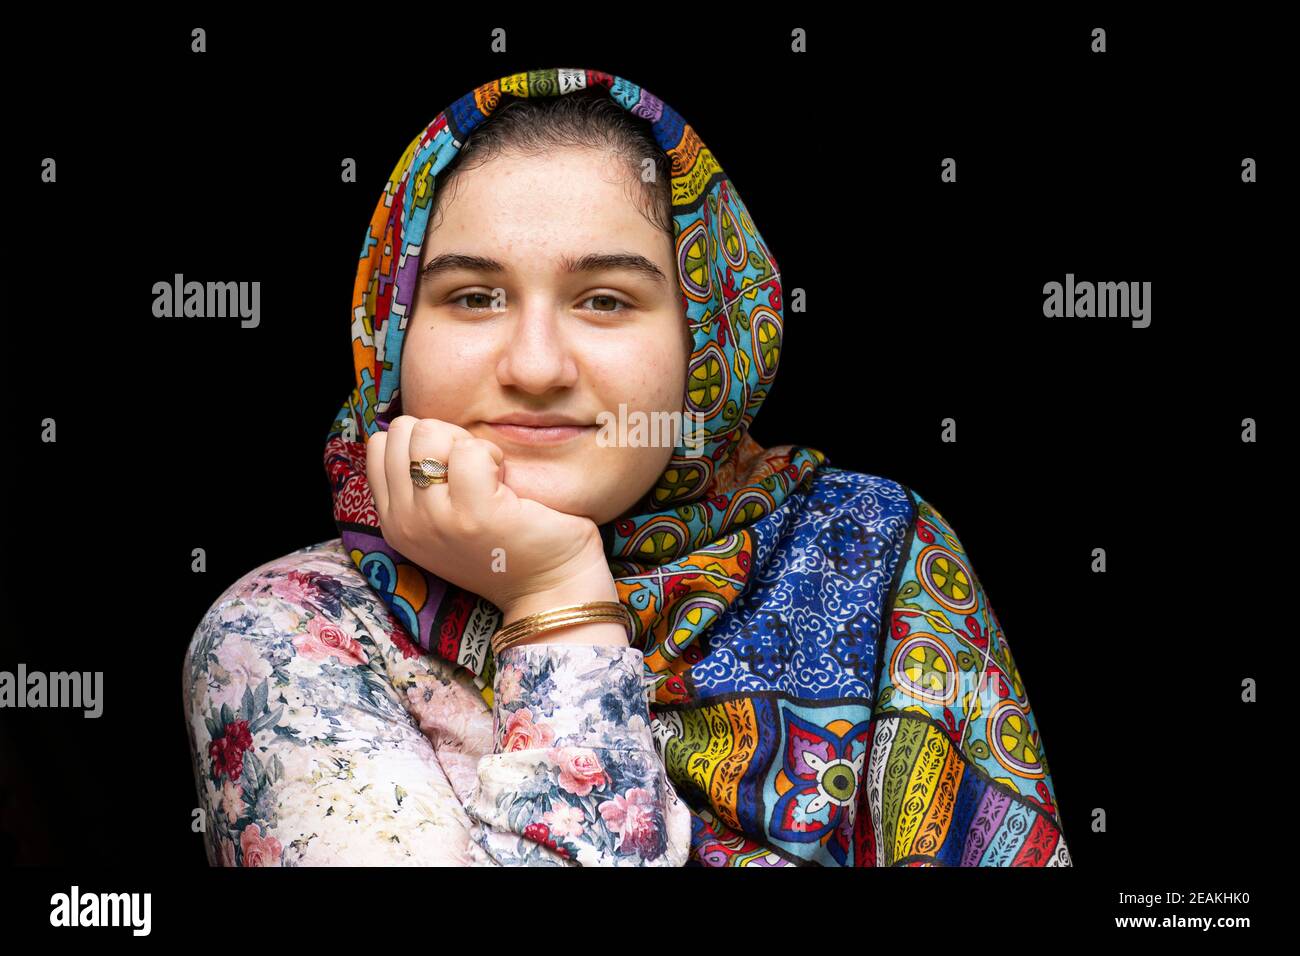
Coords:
pixel 563 223
pixel 579 182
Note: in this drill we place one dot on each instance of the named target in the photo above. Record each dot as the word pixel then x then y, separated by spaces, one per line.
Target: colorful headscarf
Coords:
pixel 714 560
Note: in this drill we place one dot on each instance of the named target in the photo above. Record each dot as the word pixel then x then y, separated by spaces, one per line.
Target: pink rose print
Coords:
pixel 522 734
pixel 295 587
pixel 565 821
pixel 259 850
pixel 323 639
pixel 580 770
pixel 632 815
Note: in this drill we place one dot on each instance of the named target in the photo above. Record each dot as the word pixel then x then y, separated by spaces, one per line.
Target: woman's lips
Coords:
pixel 541 435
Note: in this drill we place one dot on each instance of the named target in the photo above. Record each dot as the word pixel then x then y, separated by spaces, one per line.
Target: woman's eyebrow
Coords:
pixel 629 261
pixel 456 261
pixel 592 262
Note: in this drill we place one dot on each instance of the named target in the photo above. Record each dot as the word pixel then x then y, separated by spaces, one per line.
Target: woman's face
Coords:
pixel 581 324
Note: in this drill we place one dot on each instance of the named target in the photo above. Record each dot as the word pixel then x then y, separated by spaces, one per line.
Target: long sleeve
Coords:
pixel 958 775
pixel 574 778
pixel 304 704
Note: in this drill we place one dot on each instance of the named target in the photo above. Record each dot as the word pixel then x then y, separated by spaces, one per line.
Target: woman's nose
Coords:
pixel 537 356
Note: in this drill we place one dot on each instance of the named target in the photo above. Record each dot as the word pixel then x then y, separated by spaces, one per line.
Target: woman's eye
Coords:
pixel 483 297
pixel 611 301
pixel 483 301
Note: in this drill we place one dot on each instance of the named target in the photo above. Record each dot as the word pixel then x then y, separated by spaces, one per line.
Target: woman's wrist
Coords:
pixel 595 584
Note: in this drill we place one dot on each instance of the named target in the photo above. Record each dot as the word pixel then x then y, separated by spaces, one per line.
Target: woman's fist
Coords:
pixel 473 530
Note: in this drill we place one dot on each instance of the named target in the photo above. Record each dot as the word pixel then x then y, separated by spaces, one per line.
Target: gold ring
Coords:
pixel 428 471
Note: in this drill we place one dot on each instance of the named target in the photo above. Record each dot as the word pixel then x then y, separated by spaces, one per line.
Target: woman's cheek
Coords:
pixel 461 370
pixel 660 381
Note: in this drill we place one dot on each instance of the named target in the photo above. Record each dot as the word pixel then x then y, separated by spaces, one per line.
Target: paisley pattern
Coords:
pixel 769 589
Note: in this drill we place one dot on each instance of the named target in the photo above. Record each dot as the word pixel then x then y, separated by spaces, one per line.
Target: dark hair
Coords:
pixel 584 118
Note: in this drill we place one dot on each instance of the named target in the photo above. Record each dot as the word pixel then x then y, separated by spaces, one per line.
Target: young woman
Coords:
pixel 766 660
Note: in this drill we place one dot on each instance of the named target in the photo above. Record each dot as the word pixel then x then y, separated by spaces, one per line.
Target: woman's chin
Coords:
pixel 545 484
pixel 570 487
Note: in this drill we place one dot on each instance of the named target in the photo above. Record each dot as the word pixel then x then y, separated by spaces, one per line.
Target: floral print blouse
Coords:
pixel 321 735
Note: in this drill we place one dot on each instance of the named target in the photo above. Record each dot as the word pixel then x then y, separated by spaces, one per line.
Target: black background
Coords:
pixel 924 301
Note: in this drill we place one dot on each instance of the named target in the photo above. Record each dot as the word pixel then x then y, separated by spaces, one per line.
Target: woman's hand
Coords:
pixel 474 531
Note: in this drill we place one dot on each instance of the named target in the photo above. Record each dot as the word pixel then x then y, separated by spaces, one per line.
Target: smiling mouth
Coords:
pixel 539 434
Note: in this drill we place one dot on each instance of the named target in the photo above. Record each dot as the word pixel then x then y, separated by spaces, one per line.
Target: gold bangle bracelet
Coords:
pixel 593 618
pixel 594 611
pixel 499 644
pixel 532 620
pixel 591 612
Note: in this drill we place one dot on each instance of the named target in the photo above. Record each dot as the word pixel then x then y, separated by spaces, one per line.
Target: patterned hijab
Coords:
pixel 800 624
pixel 680 556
